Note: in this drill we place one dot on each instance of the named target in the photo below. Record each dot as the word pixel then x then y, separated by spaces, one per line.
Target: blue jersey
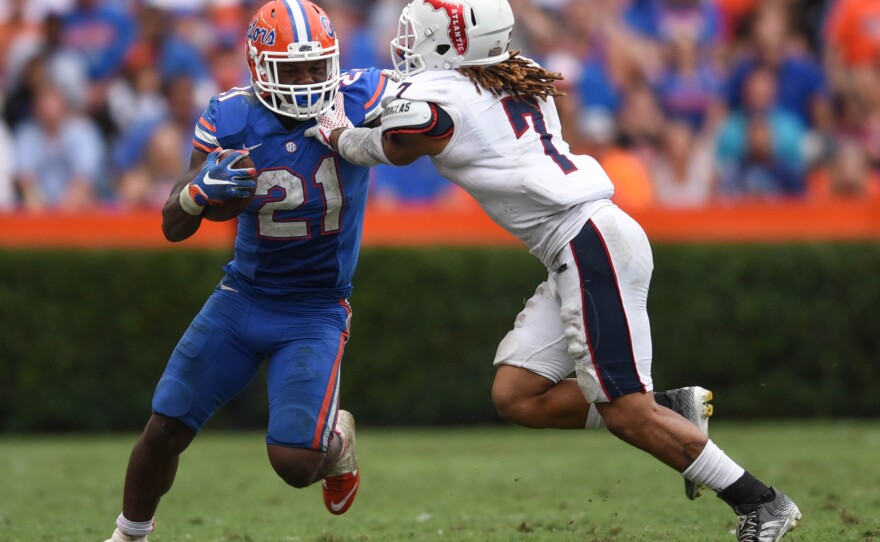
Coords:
pixel 302 231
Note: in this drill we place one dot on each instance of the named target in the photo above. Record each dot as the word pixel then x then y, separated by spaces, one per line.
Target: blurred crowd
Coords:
pixel 684 102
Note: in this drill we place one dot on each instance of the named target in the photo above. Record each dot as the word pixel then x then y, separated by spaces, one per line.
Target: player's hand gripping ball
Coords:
pixel 225 185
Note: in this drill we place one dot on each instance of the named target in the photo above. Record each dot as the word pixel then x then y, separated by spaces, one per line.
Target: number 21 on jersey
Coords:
pixel 286 190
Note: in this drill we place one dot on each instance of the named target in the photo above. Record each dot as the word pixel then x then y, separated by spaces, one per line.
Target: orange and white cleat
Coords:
pixel 341 484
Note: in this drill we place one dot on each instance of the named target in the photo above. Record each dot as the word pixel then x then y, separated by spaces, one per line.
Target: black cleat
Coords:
pixel 767 522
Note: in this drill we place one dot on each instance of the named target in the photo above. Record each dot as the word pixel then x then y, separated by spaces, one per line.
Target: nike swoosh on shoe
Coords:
pixel 337 506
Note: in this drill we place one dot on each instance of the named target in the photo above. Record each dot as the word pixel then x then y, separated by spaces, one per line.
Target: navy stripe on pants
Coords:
pixel 605 321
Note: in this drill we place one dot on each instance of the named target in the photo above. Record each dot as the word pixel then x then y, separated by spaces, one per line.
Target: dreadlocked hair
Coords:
pixel 519 77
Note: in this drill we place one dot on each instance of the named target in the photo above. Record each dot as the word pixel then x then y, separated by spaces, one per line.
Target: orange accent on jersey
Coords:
pixel 207 124
pixel 380 88
pixel 202 147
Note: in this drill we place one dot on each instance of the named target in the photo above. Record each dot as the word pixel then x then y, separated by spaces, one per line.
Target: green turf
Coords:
pixel 497 484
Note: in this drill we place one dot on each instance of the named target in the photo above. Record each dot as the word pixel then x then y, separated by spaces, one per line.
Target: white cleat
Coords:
pixel 340 485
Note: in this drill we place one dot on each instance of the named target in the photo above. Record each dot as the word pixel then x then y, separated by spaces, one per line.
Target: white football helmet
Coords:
pixel 449 34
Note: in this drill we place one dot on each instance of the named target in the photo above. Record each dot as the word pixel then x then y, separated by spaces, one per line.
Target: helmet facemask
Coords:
pixel 406 61
pixel 300 102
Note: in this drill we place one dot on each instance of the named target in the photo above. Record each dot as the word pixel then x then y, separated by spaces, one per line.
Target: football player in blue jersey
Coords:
pixel 284 296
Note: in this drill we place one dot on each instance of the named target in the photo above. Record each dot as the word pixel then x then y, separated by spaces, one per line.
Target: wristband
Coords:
pixel 188 204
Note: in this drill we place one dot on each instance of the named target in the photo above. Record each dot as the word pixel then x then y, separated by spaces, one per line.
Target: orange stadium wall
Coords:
pixel 740 223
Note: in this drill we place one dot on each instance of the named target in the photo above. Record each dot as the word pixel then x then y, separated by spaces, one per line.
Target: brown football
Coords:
pixel 232 207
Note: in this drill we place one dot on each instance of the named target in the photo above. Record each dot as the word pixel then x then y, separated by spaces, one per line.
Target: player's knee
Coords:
pixel 298 468
pixel 166 436
pixel 298 476
pixel 516 403
pixel 515 407
pixel 505 400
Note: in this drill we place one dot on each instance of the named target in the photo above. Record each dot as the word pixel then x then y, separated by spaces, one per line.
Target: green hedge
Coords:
pixel 776 331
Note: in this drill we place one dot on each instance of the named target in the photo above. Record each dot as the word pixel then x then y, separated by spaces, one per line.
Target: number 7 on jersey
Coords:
pixel 517 112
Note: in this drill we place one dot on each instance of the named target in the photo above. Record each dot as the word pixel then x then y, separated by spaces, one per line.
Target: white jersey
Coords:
pixel 512 159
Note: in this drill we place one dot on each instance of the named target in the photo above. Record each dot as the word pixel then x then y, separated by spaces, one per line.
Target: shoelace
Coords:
pixel 748 528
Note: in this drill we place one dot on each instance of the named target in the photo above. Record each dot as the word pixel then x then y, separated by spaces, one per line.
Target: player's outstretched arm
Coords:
pixel 403 149
pixel 408 130
pixel 368 146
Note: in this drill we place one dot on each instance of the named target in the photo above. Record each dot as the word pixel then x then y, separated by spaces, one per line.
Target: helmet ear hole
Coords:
pixel 473 17
pixel 441 49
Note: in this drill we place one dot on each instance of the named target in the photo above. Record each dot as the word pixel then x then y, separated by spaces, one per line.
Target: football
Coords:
pixel 232 207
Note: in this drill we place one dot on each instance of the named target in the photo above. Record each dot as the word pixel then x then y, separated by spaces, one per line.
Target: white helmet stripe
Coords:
pixel 299 19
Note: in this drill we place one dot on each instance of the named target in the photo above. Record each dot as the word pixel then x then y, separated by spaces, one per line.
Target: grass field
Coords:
pixel 489 484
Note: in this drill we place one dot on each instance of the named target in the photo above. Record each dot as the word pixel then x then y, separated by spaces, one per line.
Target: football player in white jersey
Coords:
pixel 487 118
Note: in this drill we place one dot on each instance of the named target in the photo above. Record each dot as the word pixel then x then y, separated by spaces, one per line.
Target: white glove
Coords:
pixel 393 75
pixel 329 121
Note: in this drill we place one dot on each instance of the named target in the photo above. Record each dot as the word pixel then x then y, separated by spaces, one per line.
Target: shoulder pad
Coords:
pixel 405 116
pixel 229 114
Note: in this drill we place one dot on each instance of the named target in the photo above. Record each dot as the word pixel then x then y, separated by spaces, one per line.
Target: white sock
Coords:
pixel 134 528
pixel 594 419
pixel 713 469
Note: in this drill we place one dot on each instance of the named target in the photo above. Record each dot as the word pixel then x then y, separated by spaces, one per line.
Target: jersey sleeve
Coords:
pixel 223 122
pixel 417 105
pixel 363 90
